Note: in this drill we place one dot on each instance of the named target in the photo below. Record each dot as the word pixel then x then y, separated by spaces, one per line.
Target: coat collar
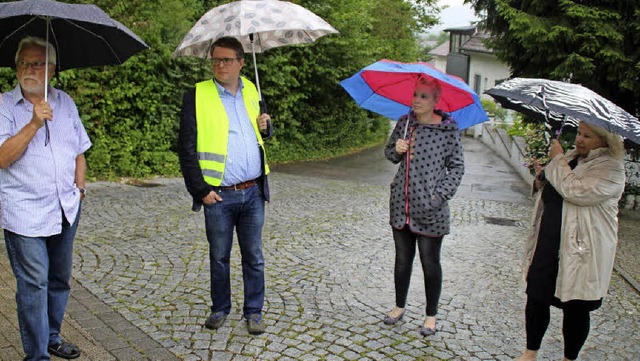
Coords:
pixel 596 153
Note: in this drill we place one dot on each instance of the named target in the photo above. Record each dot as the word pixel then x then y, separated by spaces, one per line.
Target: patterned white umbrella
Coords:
pixel 258 24
pixel 565 104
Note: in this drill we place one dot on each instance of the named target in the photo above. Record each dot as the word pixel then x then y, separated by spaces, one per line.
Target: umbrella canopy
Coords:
pixel 83 35
pixel 565 104
pixel 258 24
pixel 386 87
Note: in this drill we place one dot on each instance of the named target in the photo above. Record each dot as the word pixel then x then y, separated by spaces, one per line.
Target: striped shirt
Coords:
pixel 40 185
pixel 243 151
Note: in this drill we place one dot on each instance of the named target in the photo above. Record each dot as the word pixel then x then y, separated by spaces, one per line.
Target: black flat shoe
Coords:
pixel 388 320
pixel 64 349
pixel 427 331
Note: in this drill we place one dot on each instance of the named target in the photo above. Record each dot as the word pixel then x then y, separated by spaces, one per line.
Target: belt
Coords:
pixel 239 186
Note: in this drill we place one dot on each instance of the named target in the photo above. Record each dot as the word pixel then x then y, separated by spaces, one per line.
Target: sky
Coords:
pixel 457 14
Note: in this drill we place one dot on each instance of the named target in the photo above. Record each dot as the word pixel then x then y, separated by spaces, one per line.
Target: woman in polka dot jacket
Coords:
pixel 431 162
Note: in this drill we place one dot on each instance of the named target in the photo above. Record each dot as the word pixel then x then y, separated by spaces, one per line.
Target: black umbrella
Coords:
pixel 565 104
pixel 83 35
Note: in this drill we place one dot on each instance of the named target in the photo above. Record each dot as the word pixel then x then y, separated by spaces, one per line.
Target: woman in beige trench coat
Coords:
pixel 569 254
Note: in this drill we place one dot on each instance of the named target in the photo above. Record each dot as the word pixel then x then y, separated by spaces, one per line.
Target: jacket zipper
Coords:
pixel 406 180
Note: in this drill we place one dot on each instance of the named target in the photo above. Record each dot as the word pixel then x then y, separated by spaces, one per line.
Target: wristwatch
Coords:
pixel 83 191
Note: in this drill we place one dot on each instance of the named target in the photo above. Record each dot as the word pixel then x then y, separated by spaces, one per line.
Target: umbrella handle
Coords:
pixel 406 126
pixel 263 107
pixel 405 129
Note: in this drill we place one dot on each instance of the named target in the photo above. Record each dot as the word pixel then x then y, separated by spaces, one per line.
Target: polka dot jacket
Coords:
pixel 428 175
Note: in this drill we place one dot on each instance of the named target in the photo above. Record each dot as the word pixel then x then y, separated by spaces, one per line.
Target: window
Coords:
pixel 454 45
pixel 477 83
pixel 456 41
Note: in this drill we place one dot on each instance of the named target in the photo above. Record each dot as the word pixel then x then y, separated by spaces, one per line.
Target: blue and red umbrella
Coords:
pixel 386 87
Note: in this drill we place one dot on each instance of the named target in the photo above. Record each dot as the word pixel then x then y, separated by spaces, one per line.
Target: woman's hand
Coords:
pixel 537 167
pixel 402 146
pixel 539 180
pixel 555 149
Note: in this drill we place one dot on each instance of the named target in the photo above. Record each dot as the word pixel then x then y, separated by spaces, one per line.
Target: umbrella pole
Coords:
pixel 564 122
pixel 46 81
pixel 263 106
pixel 46 62
pixel 547 122
pixel 406 126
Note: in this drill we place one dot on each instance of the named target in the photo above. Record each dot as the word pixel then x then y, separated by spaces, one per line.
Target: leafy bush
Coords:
pixel 498 112
pixel 632 188
pixel 533 132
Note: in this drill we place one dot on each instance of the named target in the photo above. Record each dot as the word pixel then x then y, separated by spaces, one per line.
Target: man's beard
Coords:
pixel 35 89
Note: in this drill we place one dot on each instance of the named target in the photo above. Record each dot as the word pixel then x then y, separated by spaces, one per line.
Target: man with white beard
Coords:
pixel 42 180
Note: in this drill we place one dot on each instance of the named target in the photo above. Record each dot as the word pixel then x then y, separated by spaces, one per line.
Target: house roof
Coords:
pixel 470 29
pixel 441 50
pixel 476 43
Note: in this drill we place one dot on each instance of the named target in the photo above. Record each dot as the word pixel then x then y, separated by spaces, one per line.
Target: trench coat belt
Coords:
pixel 239 186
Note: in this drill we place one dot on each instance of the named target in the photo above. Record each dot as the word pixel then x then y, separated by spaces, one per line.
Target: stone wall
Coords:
pixel 510 149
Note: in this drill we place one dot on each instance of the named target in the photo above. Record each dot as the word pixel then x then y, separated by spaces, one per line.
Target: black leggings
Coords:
pixel 429 247
pixel 575 326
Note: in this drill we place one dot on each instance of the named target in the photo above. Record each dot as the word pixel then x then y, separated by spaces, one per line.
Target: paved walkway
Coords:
pixel 141 284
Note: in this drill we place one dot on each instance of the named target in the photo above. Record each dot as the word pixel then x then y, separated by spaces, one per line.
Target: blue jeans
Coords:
pixel 42 266
pixel 244 211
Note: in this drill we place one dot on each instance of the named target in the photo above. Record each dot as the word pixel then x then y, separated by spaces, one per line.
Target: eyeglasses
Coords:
pixel 225 61
pixel 36 65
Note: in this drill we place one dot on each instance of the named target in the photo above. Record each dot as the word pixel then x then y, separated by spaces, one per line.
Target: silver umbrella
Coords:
pixel 258 24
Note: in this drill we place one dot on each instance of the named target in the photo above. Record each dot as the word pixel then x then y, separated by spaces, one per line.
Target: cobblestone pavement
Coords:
pixel 143 256
pixel 628 251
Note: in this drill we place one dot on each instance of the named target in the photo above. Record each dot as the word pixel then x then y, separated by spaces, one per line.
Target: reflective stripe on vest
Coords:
pixel 213 128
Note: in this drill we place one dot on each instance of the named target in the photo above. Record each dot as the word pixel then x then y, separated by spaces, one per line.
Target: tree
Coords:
pixel 595 43
pixel 130 111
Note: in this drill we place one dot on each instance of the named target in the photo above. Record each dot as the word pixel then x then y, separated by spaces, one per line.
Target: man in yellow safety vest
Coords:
pixel 224 166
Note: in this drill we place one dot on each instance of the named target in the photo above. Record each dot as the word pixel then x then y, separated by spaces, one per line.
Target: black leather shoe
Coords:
pixel 64 349
pixel 393 320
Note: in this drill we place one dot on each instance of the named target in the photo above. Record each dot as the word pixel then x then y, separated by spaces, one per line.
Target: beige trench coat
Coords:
pixel 589 232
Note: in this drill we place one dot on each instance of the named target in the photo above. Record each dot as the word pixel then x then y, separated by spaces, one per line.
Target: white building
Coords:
pixel 467 56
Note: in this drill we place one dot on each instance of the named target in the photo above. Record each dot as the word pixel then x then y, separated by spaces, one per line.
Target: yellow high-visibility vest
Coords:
pixel 213 128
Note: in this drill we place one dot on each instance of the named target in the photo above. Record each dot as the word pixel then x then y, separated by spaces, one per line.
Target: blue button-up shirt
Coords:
pixel 40 185
pixel 243 151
